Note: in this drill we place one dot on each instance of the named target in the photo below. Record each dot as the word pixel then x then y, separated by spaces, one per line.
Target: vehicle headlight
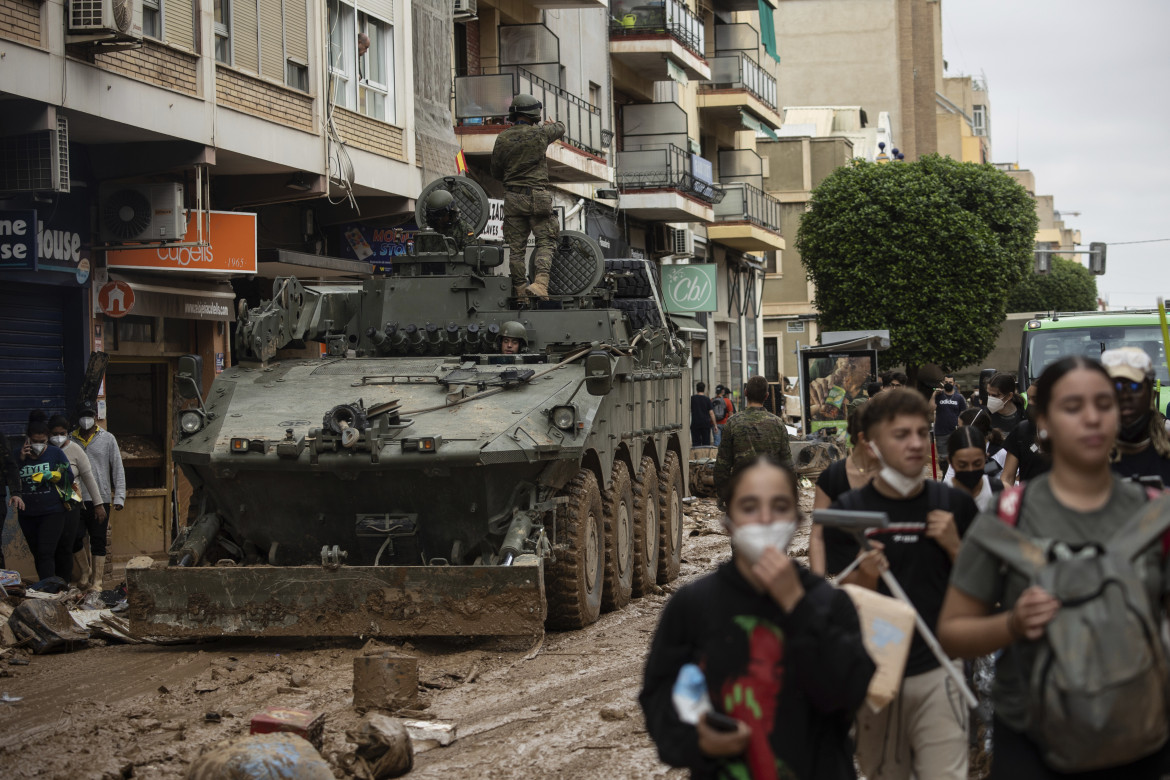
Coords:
pixel 190 421
pixel 564 417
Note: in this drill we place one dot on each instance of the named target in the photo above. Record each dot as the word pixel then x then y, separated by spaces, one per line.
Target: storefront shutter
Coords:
pixel 32 354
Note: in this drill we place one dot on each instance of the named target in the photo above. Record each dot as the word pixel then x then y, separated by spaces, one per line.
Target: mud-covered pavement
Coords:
pixel 566 708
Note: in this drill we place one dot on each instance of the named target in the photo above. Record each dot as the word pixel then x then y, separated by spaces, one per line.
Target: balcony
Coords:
pixel 738 84
pixel 747 219
pixel 649 39
pixel 561 4
pixel 481 105
pixel 663 182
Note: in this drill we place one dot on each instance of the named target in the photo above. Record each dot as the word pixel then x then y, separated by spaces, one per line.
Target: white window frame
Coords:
pixel 386 90
pixel 343 79
pixel 979 120
pixel 223 31
pixel 157 7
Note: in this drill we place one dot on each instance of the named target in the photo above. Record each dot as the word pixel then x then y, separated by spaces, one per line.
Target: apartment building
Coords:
pixel 663 103
pixel 964 119
pixel 259 132
pixel 1052 232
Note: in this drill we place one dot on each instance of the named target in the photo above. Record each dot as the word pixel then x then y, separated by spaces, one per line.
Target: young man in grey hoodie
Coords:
pixel 102 449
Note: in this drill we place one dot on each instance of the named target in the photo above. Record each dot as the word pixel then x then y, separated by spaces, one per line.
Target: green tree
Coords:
pixel 930 250
pixel 1068 286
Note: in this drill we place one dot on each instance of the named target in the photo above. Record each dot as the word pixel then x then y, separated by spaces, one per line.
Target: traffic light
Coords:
pixel 1043 261
pixel 1097 258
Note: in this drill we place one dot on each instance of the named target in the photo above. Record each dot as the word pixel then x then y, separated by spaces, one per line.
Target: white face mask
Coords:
pixel 750 541
pixel 38 447
pixel 994 404
pixel 86 423
pixel 901 483
pixel 58 441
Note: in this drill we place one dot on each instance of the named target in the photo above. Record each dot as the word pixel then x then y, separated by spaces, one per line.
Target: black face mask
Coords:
pixel 948 387
pixel 969 479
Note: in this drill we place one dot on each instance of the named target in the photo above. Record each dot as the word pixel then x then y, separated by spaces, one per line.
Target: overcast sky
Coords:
pixel 1078 96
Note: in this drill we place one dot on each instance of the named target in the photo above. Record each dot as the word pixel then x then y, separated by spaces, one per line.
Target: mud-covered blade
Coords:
pixel 351 600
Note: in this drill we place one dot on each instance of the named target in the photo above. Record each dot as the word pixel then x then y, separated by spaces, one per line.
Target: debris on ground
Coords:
pixel 305 724
pixel 46 627
pixel 429 734
pixel 385 681
pixel 261 757
pixel 384 748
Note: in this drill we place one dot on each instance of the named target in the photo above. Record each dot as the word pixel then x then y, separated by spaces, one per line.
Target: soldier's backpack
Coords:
pixel 1098 691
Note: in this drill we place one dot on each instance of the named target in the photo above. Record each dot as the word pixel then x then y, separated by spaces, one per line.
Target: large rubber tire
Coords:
pixel 646 516
pixel 573 585
pixel 670 523
pixel 619 539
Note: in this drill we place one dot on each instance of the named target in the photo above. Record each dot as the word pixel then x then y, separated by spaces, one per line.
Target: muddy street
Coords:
pixel 567 705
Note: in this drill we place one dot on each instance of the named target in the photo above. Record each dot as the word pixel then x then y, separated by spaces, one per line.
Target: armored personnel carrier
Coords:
pixel 415 480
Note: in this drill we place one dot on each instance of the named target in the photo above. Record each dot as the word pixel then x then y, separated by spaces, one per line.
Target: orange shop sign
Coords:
pixel 232 250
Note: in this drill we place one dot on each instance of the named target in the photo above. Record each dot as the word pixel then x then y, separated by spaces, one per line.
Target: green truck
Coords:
pixel 1046 340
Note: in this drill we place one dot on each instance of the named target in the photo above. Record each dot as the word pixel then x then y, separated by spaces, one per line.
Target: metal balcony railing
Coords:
pixel 662 17
pixel 743 201
pixel 738 70
pixel 664 167
pixel 582 121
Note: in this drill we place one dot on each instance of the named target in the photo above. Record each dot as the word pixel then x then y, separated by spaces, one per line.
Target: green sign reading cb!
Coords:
pixel 690 288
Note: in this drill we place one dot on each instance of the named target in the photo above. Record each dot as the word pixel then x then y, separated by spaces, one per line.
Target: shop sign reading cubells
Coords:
pixel 48 240
pixel 690 288
pixel 232 250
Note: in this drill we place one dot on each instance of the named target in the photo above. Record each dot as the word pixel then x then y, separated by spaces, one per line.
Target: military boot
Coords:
pixel 99 570
pixel 520 293
pixel 539 287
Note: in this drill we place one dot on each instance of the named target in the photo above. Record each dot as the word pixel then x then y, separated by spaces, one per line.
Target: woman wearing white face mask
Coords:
pixel 44 517
pixel 780 648
pixel 79 461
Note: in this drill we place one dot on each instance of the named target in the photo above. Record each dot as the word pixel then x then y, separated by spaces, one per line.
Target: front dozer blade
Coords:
pixel 390 601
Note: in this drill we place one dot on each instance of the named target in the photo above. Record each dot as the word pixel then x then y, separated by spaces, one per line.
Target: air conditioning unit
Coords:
pixel 670 240
pixel 99 21
pixel 141 212
pixel 465 10
pixel 36 162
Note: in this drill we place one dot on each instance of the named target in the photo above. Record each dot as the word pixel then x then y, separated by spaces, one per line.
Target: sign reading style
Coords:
pixel 232 250
pixel 690 288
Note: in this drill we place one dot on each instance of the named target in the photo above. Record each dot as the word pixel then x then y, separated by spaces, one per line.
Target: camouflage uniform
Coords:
pixel 459 230
pixel 518 160
pixel 749 433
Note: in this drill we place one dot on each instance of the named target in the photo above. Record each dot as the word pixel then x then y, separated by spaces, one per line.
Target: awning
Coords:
pixel 189 301
pixel 768 30
pixel 852 341
pixel 687 324
pixel 752 123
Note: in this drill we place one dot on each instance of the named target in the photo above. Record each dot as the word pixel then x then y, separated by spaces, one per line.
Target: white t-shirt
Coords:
pixel 983 498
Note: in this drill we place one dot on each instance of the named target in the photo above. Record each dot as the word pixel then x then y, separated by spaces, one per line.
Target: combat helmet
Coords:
pixel 525 106
pixel 439 203
pixel 515 330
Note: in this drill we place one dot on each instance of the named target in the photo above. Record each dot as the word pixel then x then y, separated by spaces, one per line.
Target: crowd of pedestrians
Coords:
pixel 1043 552
pixel 62 482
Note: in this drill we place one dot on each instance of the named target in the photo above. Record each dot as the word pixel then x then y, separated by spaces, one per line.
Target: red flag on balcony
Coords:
pixel 461 163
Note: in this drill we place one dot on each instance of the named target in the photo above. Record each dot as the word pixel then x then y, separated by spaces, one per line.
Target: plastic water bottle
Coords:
pixel 690 694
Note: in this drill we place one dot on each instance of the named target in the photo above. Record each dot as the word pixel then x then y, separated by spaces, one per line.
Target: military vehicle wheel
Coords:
pixel 670 536
pixel 646 516
pixel 619 539
pixel 574 582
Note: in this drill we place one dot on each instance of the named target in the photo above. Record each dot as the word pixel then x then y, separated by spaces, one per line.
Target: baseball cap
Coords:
pixel 1128 363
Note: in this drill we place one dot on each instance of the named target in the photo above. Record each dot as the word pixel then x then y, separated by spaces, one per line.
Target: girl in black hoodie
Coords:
pixel 780 648
pixel 44 472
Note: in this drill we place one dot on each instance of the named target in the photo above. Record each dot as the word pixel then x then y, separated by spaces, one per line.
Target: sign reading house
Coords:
pixel 690 288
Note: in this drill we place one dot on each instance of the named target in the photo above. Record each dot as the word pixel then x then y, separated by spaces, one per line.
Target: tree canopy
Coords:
pixel 930 250
pixel 1068 286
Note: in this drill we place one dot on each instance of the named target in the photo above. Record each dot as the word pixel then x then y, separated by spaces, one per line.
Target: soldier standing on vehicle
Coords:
pixel 518 160
pixel 752 432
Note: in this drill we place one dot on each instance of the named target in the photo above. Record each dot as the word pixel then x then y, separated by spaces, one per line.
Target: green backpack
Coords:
pixel 1098 693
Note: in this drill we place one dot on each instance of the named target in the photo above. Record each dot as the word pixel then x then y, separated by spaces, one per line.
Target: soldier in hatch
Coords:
pixel 443 217
pixel 518 160
pixel 513 338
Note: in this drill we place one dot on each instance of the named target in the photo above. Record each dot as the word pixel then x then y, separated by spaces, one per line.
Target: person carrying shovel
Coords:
pixel 923 731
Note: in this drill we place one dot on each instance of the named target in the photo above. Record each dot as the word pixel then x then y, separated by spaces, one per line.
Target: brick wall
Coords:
pixel 364 133
pixel 20 20
pixel 473 47
pixel 264 99
pixel 154 63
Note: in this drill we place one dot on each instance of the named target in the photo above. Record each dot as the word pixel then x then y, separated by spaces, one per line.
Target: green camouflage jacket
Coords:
pixel 518 158
pixel 747 434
